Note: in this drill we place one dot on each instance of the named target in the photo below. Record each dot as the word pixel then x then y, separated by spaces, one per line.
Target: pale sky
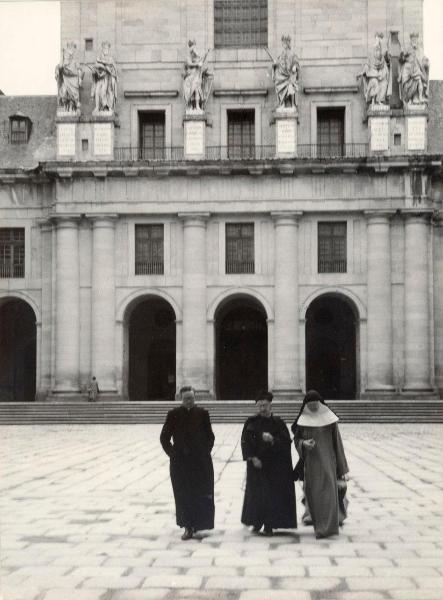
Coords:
pixel 30 44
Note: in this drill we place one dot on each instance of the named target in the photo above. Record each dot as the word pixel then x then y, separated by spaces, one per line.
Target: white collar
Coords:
pixel 323 416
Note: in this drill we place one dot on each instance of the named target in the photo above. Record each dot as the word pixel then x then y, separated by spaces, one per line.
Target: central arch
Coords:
pixel 241 349
pixel 151 348
pixel 331 347
pixel 18 351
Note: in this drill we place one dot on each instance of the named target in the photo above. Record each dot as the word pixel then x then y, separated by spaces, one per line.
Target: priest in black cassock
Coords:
pixel 270 495
pixel 191 469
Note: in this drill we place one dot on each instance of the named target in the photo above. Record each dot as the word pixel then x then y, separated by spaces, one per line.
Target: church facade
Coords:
pixel 230 195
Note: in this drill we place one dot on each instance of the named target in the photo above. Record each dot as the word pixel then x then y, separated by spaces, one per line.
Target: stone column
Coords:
pixel 286 363
pixel 103 302
pixel 417 354
pixel 380 357
pixel 67 307
pixel 194 301
pixel 438 298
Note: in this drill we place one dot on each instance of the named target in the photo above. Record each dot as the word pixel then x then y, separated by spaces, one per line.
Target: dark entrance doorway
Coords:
pixel 152 349
pixel 18 350
pixel 241 350
pixel 331 348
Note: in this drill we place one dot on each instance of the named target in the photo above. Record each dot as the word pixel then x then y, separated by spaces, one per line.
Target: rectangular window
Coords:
pixel 149 250
pixel 332 247
pixel 152 134
pixel 241 133
pixel 240 248
pixel 19 130
pixel 330 132
pixel 12 252
pixel 240 23
pixel 89 44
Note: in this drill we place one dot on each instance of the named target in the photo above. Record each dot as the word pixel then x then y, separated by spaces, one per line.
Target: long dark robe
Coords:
pixel 323 465
pixel 191 469
pixel 270 494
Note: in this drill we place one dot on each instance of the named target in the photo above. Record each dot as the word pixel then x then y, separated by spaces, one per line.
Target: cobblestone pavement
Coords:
pixel 87 514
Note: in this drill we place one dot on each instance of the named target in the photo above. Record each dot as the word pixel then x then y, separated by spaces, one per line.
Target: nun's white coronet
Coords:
pixel 323 416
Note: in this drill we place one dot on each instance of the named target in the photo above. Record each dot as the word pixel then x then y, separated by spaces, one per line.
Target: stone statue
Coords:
pixel 104 81
pixel 285 75
pixel 197 81
pixel 69 76
pixel 413 75
pixel 376 75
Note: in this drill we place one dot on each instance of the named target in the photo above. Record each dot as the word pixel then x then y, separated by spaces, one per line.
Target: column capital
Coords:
pixel 194 219
pixel 102 220
pixel 286 217
pixel 437 218
pixel 379 216
pixel 66 220
pixel 417 215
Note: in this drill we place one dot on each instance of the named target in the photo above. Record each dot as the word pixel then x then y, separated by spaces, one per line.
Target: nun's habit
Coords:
pixel 323 464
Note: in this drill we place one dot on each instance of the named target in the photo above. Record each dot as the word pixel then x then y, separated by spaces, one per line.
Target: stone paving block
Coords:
pixel 359 596
pixel 415 571
pixel 213 571
pixel 238 583
pixel 431 583
pixel 241 561
pixel 421 594
pixel 379 583
pixel 339 571
pixel 63 594
pixel 100 571
pixel 275 595
pixel 184 562
pixel 369 562
pixel 318 584
pixel 305 561
pixel 294 570
pixel 176 581
pixel 22 592
pixel 127 582
pixel 157 594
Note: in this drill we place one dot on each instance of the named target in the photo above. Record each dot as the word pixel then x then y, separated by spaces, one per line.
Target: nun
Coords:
pixel 269 500
pixel 322 459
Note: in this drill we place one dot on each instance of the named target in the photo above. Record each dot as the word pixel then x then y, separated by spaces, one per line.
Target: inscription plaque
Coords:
pixel 286 136
pixel 416 133
pixel 66 139
pixel 195 138
pixel 102 139
pixel 379 134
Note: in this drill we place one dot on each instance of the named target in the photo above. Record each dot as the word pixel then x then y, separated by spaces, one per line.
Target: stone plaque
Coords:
pixel 102 139
pixel 286 136
pixel 66 139
pixel 416 133
pixel 379 134
pixel 195 138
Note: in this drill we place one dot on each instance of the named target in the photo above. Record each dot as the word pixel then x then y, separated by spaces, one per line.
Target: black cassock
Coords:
pixel 192 473
pixel 270 494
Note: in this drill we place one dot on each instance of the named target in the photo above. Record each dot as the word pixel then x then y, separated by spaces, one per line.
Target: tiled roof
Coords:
pixel 42 143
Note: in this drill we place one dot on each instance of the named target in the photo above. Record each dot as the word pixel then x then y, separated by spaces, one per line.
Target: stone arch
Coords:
pixel 355 302
pixel 140 295
pixel 232 293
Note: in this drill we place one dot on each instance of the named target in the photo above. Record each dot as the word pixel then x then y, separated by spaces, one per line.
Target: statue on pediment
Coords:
pixel 286 75
pixel 197 81
pixel 376 75
pixel 69 77
pixel 413 76
pixel 104 81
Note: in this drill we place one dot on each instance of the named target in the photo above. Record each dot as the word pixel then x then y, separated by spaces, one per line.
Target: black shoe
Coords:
pixel 256 529
pixel 268 531
pixel 187 534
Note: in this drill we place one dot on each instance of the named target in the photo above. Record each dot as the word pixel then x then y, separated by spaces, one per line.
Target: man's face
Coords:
pixel 188 399
pixel 264 408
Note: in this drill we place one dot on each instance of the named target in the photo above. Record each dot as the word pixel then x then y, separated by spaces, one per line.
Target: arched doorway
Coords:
pixel 331 347
pixel 152 348
pixel 241 349
pixel 18 351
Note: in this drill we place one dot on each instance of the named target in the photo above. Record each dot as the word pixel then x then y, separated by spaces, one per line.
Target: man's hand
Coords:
pixel 267 437
pixel 256 462
pixel 309 444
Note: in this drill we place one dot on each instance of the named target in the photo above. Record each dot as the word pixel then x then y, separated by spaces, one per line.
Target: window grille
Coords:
pixel 240 248
pixel 152 134
pixel 240 23
pixel 332 252
pixel 241 134
pixel 19 130
pixel 330 132
pixel 12 252
pixel 149 250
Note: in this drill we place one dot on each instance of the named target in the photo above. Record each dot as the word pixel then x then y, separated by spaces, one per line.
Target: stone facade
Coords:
pixel 80 188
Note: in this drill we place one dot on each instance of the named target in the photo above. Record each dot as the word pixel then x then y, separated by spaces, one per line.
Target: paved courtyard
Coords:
pixel 87 514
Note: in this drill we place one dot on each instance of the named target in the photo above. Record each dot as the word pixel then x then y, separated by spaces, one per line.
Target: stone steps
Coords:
pixel 411 410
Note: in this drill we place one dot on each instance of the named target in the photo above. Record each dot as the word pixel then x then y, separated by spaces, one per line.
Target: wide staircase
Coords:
pixel 108 411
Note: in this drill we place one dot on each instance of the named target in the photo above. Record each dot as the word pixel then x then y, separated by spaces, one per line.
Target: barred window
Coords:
pixel 152 134
pixel 149 244
pixel 330 132
pixel 332 247
pixel 12 252
pixel 19 130
pixel 241 133
pixel 240 248
pixel 240 23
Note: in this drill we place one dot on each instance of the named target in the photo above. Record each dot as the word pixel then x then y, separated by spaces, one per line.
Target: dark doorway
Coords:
pixel 152 351
pixel 331 348
pixel 241 350
pixel 18 350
